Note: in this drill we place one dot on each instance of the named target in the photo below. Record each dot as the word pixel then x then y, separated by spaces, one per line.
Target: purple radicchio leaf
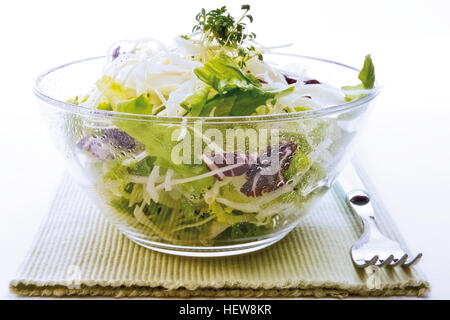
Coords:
pixel 289 80
pixel 267 174
pixel 109 144
pixel 262 80
pixel 119 138
pixel 238 162
pixel 116 53
pixel 312 81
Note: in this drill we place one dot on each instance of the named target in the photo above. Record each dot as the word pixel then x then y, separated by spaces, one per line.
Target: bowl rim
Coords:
pixel 87 111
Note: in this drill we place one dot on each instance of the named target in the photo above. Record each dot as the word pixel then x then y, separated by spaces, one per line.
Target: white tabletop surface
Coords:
pixel 405 148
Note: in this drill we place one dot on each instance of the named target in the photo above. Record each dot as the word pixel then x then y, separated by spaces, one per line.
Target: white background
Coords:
pixel 406 147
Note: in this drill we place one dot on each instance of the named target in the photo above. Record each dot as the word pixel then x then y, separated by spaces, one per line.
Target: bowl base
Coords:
pixel 218 251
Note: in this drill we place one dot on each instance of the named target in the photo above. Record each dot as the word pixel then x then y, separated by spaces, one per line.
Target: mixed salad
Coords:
pixel 221 196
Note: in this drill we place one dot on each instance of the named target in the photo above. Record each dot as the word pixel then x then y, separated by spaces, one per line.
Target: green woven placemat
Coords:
pixel 77 252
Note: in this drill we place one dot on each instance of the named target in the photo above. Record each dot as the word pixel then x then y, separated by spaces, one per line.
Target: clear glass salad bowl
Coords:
pixel 220 185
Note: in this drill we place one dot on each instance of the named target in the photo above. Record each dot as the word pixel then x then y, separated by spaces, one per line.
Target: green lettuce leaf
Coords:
pixel 138 105
pixel 123 205
pixel 239 93
pixel 105 106
pixel 195 103
pixel 159 145
pixel 351 97
pixel 242 230
pixel 240 102
pixel 298 164
pixel 143 167
pixel 224 75
pixel 367 73
pixel 367 77
pixel 114 92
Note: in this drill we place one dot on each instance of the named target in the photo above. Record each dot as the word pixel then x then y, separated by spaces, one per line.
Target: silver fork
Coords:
pixel 372 248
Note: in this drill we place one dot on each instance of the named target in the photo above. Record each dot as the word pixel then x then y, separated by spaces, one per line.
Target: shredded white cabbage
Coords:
pixel 148 66
pixel 167 180
pixel 151 181
pixel 199 177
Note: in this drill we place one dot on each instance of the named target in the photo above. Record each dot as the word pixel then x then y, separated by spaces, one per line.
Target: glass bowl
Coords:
pixel 219 185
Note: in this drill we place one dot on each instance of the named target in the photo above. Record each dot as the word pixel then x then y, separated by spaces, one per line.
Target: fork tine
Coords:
pixel 414 261
pixel 360 263
pixel 371 261
pixel 387 261
pixel 400 261
pixel 365 263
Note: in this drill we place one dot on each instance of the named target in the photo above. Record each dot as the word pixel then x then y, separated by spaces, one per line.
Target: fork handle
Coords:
pixel 359 201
